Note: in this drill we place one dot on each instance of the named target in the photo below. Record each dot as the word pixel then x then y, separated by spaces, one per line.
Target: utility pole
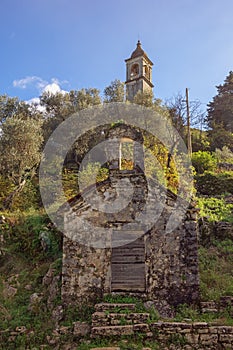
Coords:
pixel 188 124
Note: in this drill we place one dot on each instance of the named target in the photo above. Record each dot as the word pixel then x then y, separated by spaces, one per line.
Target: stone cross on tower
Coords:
pixel 138 73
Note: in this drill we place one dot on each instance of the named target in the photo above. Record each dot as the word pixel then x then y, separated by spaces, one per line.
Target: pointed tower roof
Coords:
pixel 139 52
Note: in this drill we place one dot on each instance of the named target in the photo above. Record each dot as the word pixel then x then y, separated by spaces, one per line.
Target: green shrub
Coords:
pixel 204 161
pixel 28 198
pixel 70 183
pixel 6 187
pixel 225 247
pixel 185 311
pixel 224 155
pixel 82 312
pixel 91 174
pixel 215 209
pixel 212 184
pixel 31 235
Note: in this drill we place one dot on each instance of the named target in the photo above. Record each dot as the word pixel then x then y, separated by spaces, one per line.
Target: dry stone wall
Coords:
pixel 198 335
pixel 171 262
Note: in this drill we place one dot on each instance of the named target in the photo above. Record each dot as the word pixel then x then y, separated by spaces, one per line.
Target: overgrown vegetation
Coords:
pixel 215 209
pixel 139 305
pixel 31 245
pixel 215 263
pixel 214 184
pixel 204 161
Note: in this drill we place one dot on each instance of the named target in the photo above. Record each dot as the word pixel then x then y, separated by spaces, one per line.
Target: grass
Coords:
pixel 215 264
pixel 126 343
pixel 14 310
pixel 31 235
pixel 125 299
pixel 193 314
pixel 177 339
pixel 23 266
pixel 120 299
pixel 81 313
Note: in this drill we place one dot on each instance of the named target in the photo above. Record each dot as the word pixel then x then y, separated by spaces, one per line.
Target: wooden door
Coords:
pixel 128 267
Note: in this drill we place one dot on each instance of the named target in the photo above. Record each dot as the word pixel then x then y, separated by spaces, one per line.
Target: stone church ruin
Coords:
pixel 136 258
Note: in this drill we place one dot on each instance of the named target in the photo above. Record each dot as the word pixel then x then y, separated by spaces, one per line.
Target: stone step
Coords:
pixel 109 348
pixel 112 330
pixel 115 348
pixel 114 307
pixel 117 319
pixel 119 330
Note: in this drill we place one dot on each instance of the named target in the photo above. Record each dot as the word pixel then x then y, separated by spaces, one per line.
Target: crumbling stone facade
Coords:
pixel 129 250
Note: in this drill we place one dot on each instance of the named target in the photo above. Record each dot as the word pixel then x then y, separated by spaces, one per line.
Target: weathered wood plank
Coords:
pixel 125 285
pixel 127 259
pixel 128 267
pixel 121 277
pixel 121 287
pixel 122 238
pixel 128 271
pixel 130 283
pixel 131 250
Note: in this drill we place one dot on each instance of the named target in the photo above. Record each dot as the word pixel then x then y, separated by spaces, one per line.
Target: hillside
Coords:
pixel 31 250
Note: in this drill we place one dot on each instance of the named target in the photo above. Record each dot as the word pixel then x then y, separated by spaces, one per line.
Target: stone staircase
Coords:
pixel 119 319
pixel 123 319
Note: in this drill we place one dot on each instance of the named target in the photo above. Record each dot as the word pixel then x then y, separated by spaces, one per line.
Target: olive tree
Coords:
pixel 20 143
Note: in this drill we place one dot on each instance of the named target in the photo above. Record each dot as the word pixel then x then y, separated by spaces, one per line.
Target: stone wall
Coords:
pixel 223 304
pixel 189 336
pixel 171 262
pixel 85 273
pixel 198 335
pixel 183 335
pixel 210 230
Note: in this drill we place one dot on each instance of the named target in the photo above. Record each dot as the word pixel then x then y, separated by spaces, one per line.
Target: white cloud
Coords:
pixel 36 102
pixel 54 87
pixel 26 82
pixel 41 85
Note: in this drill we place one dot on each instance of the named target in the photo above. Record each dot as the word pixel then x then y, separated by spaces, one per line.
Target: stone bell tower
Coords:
pixel 138 73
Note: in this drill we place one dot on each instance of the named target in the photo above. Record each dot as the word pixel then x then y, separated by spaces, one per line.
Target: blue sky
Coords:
pixel 78 43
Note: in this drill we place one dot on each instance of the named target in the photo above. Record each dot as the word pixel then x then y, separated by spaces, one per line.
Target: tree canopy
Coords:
pixel 220 110
pixel 20 149
pixel 24 127
pixel 220 115
pixel 114 92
